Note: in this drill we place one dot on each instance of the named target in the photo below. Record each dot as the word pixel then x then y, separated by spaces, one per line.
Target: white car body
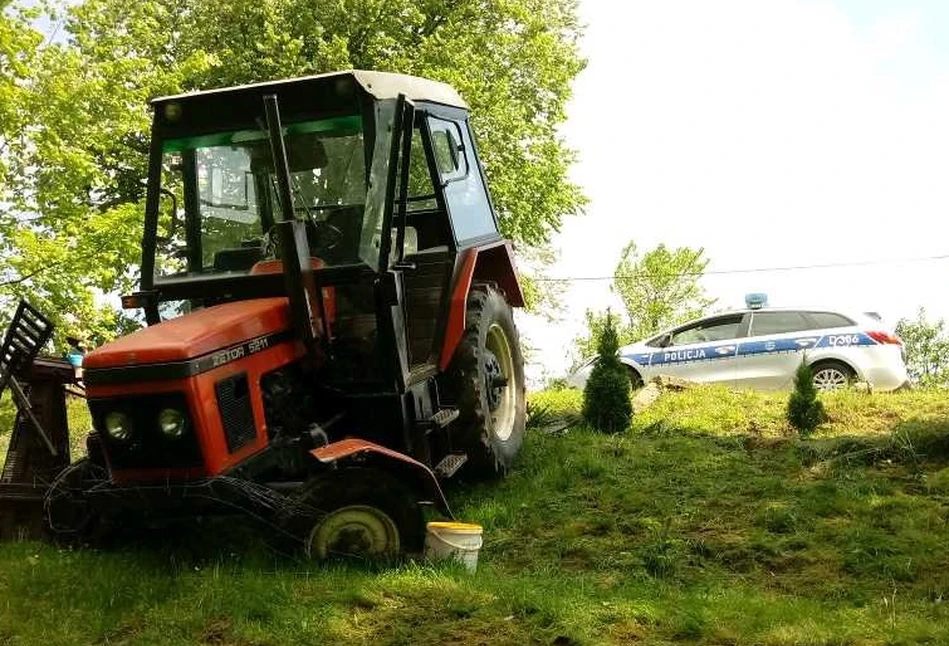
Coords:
pixel 762 348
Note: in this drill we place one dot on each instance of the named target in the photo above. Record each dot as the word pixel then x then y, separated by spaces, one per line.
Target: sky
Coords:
pixel 771 134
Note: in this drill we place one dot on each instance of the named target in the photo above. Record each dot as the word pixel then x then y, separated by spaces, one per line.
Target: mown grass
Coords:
pixel 708 522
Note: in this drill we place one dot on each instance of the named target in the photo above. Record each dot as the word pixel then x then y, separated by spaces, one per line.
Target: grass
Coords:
pixel 708 522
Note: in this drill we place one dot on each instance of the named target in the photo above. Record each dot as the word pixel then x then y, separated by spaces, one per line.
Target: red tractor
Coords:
pixel 330 331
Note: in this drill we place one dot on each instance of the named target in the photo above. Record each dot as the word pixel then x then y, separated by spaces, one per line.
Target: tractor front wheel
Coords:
pixel 68 513
pixel 361 531
pixel 486 379
pixel 364 514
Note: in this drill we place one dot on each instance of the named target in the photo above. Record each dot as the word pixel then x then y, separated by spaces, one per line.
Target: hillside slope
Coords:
pixel 706 523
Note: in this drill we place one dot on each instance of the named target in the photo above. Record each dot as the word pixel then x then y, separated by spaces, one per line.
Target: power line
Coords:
pixel 749 270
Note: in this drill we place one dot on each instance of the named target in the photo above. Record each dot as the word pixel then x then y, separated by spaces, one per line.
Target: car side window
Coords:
pixel 829 319
pixel 718 329
pixel 660 341
pixel 763 323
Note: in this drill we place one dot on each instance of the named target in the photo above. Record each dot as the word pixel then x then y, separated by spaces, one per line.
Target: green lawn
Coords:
pixel 706 523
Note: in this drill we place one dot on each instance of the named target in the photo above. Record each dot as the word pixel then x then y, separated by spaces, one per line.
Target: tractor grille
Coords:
pixel 147 447
pixel 237 415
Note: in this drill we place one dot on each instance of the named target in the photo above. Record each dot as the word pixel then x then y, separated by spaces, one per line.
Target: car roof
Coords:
pixel 381 85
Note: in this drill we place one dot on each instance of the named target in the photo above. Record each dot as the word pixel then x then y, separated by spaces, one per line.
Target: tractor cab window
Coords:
pixel 460 175
pixel 427 228
pixel 228 204
pixel 227 186
pixel 421 193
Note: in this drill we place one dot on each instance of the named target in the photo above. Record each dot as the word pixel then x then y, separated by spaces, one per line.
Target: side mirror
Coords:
pixel 665 340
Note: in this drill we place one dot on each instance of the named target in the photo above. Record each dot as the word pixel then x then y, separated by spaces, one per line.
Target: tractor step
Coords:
pixel 450 464
pixel 444 417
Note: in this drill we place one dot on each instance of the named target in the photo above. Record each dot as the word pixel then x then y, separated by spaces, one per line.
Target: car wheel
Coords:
pixel 635 379
pixel 832 375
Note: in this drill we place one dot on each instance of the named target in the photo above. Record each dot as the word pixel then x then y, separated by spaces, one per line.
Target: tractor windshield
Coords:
pixel 224 186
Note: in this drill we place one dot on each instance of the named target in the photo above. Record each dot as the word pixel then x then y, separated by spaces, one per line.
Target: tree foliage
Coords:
pixel 71 230
pixel 927 349
pixel 18 45
pixel 661 288
pixel 805 411
pixel 585 346
pixel 606 404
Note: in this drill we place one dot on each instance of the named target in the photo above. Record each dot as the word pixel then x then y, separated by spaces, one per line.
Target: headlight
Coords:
pixel 171 421
pixel 118 425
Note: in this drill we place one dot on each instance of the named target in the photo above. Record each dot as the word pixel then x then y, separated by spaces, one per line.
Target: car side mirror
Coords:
pixel 665 340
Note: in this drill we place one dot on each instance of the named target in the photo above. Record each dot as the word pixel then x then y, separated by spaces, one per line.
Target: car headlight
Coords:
pixel 172 422
pixel 118 425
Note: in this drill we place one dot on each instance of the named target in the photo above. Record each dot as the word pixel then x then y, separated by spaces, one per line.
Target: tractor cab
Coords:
pixel 386 184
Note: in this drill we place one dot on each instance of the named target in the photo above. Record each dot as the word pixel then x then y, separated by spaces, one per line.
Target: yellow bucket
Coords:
pixel 459 542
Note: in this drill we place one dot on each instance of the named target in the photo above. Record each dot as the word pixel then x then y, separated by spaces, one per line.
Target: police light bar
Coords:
pixel 756 301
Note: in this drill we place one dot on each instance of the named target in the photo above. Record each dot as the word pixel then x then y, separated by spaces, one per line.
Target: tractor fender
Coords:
pixel 417 475
pixel 493 263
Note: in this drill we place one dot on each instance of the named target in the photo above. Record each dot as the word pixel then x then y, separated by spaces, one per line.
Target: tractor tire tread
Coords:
pixel 470 389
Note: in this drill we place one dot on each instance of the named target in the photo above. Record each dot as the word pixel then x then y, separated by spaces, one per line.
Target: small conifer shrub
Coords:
pixel 606 404
pixel 805 412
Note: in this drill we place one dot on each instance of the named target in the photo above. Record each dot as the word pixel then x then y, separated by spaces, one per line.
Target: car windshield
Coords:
pixel 224 188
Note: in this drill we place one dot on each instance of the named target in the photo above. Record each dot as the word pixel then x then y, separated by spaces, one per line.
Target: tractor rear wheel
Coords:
pixel 486 379
pixel 363 514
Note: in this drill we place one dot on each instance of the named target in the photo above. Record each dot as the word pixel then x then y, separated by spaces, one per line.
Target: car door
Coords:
pixel 774 349
pixel 703 351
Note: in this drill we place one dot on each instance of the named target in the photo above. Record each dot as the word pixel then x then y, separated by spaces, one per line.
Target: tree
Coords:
pixel 78 183
pixel 660 288
pixel 606 404
pixel 805 412
pixel 585 346
pixel 927 349
pixel 18 44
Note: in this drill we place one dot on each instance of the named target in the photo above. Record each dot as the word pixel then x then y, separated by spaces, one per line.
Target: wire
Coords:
pixel 749 270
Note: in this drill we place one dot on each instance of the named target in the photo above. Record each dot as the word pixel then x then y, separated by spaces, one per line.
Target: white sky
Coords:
pixel 771 133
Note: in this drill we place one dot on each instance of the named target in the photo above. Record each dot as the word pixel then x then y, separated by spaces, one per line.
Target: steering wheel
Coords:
pixel 321 237
pixel 325 237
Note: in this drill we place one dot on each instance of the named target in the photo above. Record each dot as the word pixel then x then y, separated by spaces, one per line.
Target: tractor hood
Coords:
pixel 194 335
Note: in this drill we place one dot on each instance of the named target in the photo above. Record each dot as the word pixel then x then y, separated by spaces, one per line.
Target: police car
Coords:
pixel 761 347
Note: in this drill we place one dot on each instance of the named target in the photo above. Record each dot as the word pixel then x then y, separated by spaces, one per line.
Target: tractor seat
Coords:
pixel 411 246
pixel 275 266
pixel 239 259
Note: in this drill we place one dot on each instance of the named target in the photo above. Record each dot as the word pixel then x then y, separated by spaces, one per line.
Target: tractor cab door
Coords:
pixel 427 254
pixel 447 208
